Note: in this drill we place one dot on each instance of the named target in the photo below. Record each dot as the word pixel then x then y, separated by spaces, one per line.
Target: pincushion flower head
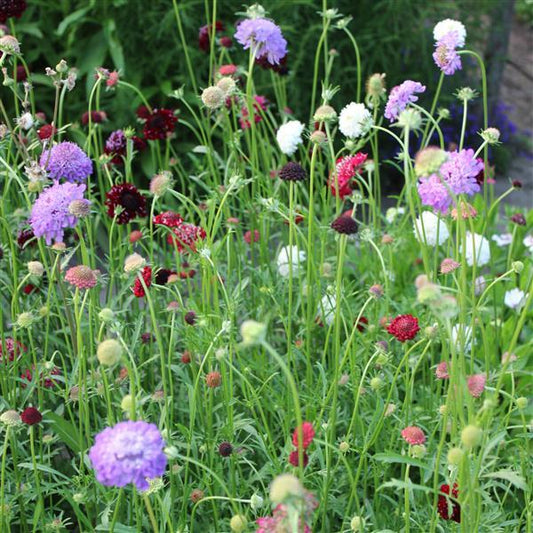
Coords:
pixel 159 124
pixel 129 452
pixel 355 120
pixel 404 327
pixel 401 96
pixel 13 349
pixel 515 299
pixel 289 136
pixel 126 202
pixel 429 229
pixel 448 509
pixel 50 215
pixel 476 248
pixel 68 161
pixel 413 435
pixel 11 8
pixel 346 170
pixel 81 277
pixel 476 384
pixel 445 54
pixel 307 435
pixel 263 37
pixel 447 26
pixel 290 256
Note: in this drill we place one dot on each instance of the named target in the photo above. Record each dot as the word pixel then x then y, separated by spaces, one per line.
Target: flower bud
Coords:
pixel 285 486
pixel 518 266
pixel 35 268
pixel 252 332
pixel 238 523
pixel 357 524
pixel 325 113
pixel 491 135
pixel 106 315
pixel 109 352
pixel 471 436
pixel 9 45
pixel 521 402
pixel 455 456
pixel 161 183
pixel 344 447
pixel 127 403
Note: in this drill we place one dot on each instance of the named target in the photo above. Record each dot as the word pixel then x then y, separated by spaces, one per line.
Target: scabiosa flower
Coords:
pixel 190 318
pixel 260 103
pixel 294 458
pixel 346 170
pixel 13 349
pixel 292 172
pixel 401 96
pixel 308 434
pixel 446 56
pixel 248 236
pixel 129 452
pixel 67 160
pixel 519 219
pixel 444 27
pixel 213 380
pixel 116 146
pixel 204 35
pixel 225 449
pixel 476 384
pixel 476 249
pixel 11 8
pixel 159 124
pixel 404 327
pixel 460 171
pixel 449 510
pixel 186 236
pixel 96 117
pixel 413 435
pixel 430 229
pixel 448 265
pixel 128 199
pixel 355 120
pixel 345 225
pixel 31 416
pixel 289 136
pixel 515 299
pixel 441 372
pixel 263 37
pixel 288 256
pixel 81 276
pixel 138 289
pixel 46 131
pixel 50 214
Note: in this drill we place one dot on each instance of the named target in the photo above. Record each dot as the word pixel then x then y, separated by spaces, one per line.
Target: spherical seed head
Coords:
pixel 80 208
pixel 197 495
pixel 161 183
pixel 410 118
pixel 376 383
pixel 9 45
pixel 429 160
pixel 357 523
pixel 109 352
pixel 285 486
pixel 318 137
pixel 344 447
pixel 455 456
pixel 10 418
pixel 448 265
pixel 31 416
pixel 292 172
pixel 226 85
pixel 35 268
pixel 345 225
pixel 126 403
pixel 491 135
pixel 106 315
pixel 25 320
pixel 213 97
pixel 252 332
pixel 325 113
pixel 213 380
pixel 225 449
pixel 134 262
pixel 238 523
pixel 375 86
pixel 413 435
pixel 418 451
pixel 81 276
pixel 521 402
pixel 471 436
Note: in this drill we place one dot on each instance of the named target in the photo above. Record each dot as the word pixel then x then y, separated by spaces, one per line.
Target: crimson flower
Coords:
pixel 131 202
pixel 445 504
pixel 346 169
pixel 404 327
pixel 294 458
pixel 159 124
pixel 138 289
pixel 308 434
pixel 31 416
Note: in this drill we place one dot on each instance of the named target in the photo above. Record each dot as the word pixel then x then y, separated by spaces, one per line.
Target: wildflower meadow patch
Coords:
pixel 214 319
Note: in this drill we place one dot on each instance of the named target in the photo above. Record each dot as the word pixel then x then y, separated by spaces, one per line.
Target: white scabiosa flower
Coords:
pixel 25 121
pixel 476 248
pixel 355 120
pixel 505 239
pixel 430 229
pixel 288 255
pixel 462 336
pixel 528 243
pixel 480 284
pixel 446 26
pixel 289 136
pixel 393 213
pixel 326 308
pixel 515 299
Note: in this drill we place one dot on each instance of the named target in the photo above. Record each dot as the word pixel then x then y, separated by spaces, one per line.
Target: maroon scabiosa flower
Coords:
pixel 190 318
pixel 292 172
pixel 448 509
pixel 413 435
pixel 308 434
pixel 31 416
pixel 159 124
pixel 13 349
pixel 96 117
pixel 138 289
pixel 131 202
pixel 345 225
pixel 404 327
pixel 11 8
pixel 204 35
pixel 225 449
pixel 519 218
pixel 294 458
pixel 25 238
pixel 46 131
pixel 162 275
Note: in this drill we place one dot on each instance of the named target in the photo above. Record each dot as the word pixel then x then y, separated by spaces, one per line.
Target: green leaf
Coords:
pixel 66 431
pixel 46 469
pixel 69 19
pixel 397 458
pixel 509 475
pixel 398 484
pixel 115 48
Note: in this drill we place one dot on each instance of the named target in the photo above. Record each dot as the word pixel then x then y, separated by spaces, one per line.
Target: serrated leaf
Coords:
pixel 509 475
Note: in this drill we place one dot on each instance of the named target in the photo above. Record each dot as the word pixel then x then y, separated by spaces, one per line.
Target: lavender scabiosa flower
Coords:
pixel 264 37
pixel 129 452
pixel 447 26
pixel 67 160
pixel 434 193
pixel 50 214
pixel 446 56
pixel 400 96
pixel 460 171
pixel 116 142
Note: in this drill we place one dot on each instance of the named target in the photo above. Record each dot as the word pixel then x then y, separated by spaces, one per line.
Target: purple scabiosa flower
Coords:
pixel 265 38
pixel 400 96
pixel 129 452
pixel 445 54
pixel 116 142
pixel 50 214
pixel 67 160
pixel 434 193
pixel 460 172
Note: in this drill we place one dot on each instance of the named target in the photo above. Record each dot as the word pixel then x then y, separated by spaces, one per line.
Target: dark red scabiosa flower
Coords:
pixel 308 434
pixel 225 449
pixel 294 458
pixel 168 219
pixel 190 318
pixel 31 416
pixel 448 509
pixel 47 382
pixel 346 170
pixel 213 380
pixel 25 238
pixel 138 289
pixel 280 68
pixel 147 338
pixel 517 184
pixel 519 218
pixel 162 275
pixel 21 74
pixel 96 117
pixel 292 172
pixel 159 124
pixel 361 324
pixel 226 42
pixel 345 225
pixel 185 235
pixel 46 131
pixel 480 178
pixel 186 357
pixel 204 35
pixel 11 8
pixel 29 288
pixel 404 327
pixel 116 146
pixel 131 202
pixel 13 349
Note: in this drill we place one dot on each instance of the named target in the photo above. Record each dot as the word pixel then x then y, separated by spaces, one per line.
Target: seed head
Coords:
pixel 35 268
pixel 109 352
pixel 471 436
pixel 213 97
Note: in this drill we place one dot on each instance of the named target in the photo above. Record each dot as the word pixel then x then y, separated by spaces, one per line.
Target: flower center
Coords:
pixel 129 201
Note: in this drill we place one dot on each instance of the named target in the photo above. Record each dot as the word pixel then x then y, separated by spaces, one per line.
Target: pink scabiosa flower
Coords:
pixel 260 104
pixel 308 434
pixel 67 161
pixel 81 276
pixel 476 384
pixel 227 70
pixel 159 124
pixel 129 452
pixel 13 349
pixel 413 435
pixel 263 37
pixel 445 55
pixel 346 170
pixel 126 202
pixel 404 327
pixel 138 289
pixel 248 236
pixel 441 372
pixel 401 96
pixel 448 265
